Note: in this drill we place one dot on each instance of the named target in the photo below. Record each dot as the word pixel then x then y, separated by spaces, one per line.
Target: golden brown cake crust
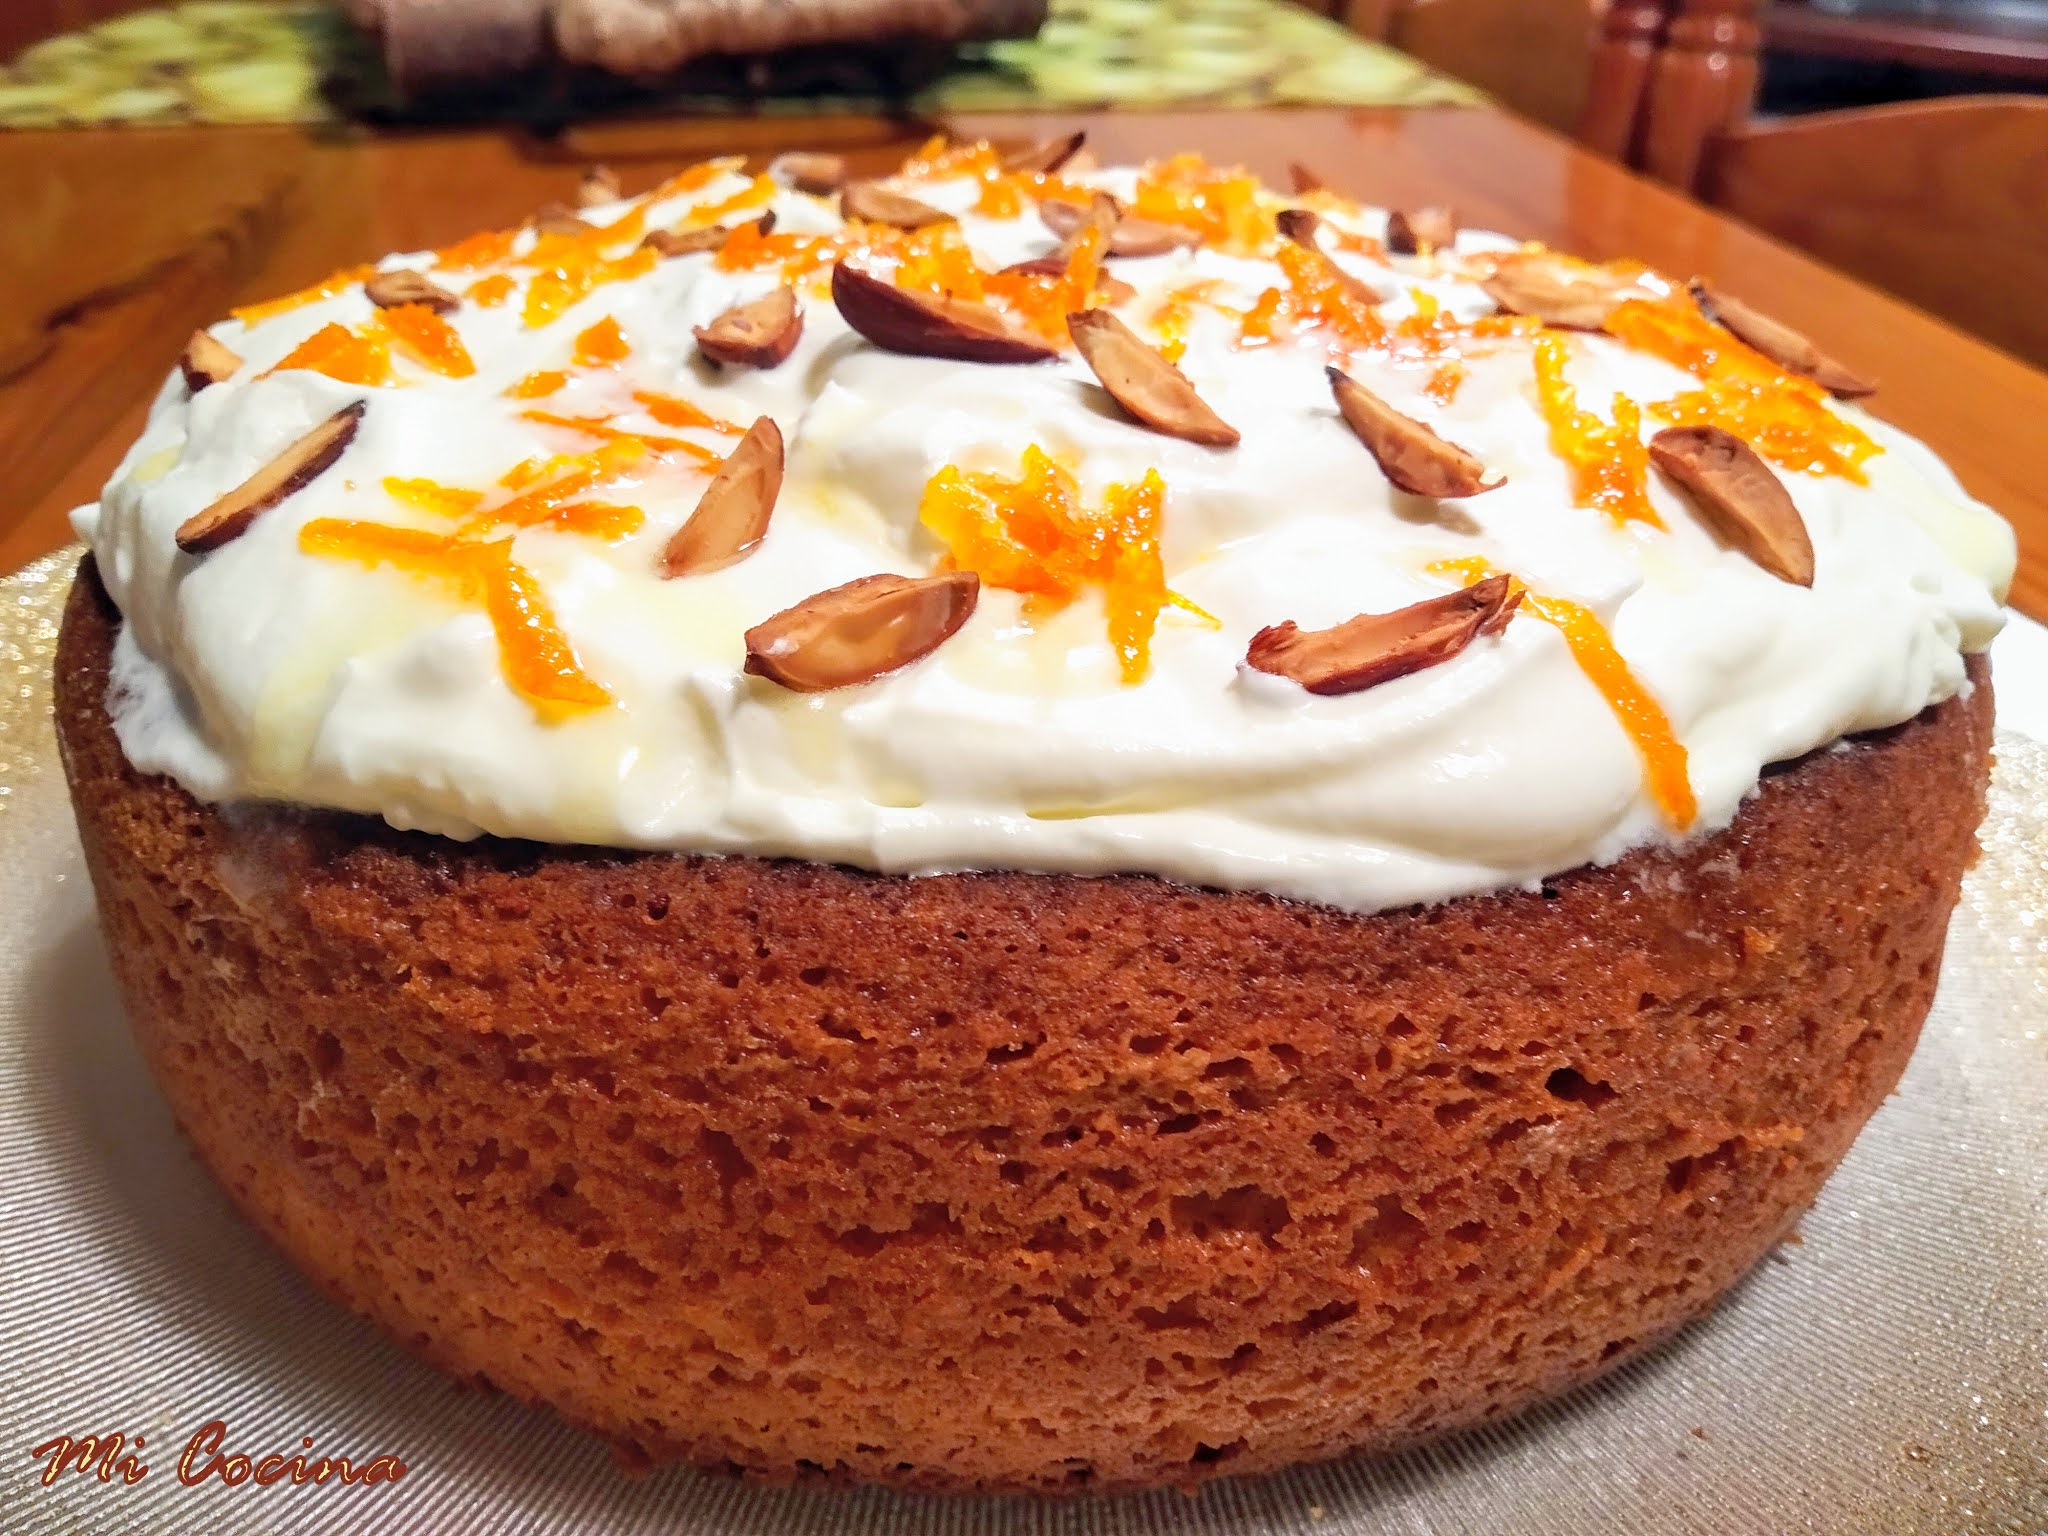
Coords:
pixel 1019 1181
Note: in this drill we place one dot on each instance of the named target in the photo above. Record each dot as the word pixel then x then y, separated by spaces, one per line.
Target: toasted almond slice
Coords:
pixel 732 514
pixel 857 632
pixel 897 320
pixel 1044 158
pixel 1144 383
pixel 1114 290
pixel 1302 226
pixel 1304 180
pixel 1780 343
pixel 388 290
pixel 1413 231
pixel 757 334
pixel 814 173
pixel 1130 237
pixel 1739 497
pixel 1409 454
pixel 1103 212
pixel 1379 647
pixel 600 185
pixel 230 516
pixel 877 204
pixel 1556 290
pixel 559 219
pixel 688 242
pixel 207 361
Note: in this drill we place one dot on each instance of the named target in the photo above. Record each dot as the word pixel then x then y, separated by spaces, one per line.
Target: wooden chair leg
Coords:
pixel 1623 58
pixel 1704 83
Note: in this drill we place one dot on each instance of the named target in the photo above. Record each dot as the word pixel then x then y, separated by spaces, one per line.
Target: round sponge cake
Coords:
pixel 1015 1181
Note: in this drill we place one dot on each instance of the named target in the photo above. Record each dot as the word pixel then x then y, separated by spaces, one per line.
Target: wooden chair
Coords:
pixel 1532 55
pixel 1940 201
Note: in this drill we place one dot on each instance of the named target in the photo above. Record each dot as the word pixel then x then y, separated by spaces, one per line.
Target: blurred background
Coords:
pixel 1903 141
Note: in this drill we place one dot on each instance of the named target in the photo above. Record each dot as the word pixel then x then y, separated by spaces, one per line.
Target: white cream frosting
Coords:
pixel 259 670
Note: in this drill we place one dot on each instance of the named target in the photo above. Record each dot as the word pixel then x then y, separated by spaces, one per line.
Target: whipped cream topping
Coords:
pixel 262 670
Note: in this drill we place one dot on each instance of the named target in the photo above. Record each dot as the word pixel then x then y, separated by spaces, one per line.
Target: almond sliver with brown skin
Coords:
pixel 1739 497
pixel 732 515
pixel 1045 158
pixel 1411 232
pixel 600 185
pixel 1303 180
pixel 207 361
pixel 1376 648
pixel 1129 237
pixel 559 219
pixel 877 204
pixel 1780 343
pixel 758 334
pixel 1555 290
pixel 388 290
pixel 230 516
pixel 1102 214
pixel 1143 382
pixel 1302 226
pixel 1408 453
pixel 688 242
pixel 814 173
pixel 860 631
pixel 921 325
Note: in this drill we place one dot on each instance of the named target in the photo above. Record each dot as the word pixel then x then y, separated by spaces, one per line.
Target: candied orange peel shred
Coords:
pixel 352 357
pixel 1786 418
pixel 539 660
pixel 1665 764
pixel 1033 534
pixel 1609 463
pixel 428 339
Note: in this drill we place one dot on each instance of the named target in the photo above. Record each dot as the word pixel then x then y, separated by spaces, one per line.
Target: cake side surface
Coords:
pixel 995 1181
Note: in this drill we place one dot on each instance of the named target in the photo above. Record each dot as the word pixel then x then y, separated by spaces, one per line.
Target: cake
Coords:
pixel 1020 826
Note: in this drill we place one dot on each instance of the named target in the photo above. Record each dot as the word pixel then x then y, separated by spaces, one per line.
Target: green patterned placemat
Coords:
pixel 298 61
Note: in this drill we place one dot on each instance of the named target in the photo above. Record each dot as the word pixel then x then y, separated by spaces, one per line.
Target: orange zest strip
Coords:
pixel 571 267
pixel 477 250
pixel 601 345
pixel 673 412
pixel 561 480
pixel 598 519
pixel 1228 208
pixel 1610 465
pixel 536 386
pixel 539 661
pixel 605 432
pixel 1664 757
pixel 1032 535
pixel 756 193
pixel 428 340
pixel 432 496
pixel 1784 417
pixel 1444 382
pixel 326 288
pixel 694 178
pixel 342 354
pixel 490 292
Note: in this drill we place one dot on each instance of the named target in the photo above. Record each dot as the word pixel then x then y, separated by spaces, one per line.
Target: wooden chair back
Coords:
pixel 1534 56
pixel 1937 201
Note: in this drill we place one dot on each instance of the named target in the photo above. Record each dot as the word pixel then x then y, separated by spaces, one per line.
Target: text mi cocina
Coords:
pixel 116 1459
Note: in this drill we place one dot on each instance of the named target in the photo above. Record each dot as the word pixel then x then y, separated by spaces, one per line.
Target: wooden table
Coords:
pixel 222 215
